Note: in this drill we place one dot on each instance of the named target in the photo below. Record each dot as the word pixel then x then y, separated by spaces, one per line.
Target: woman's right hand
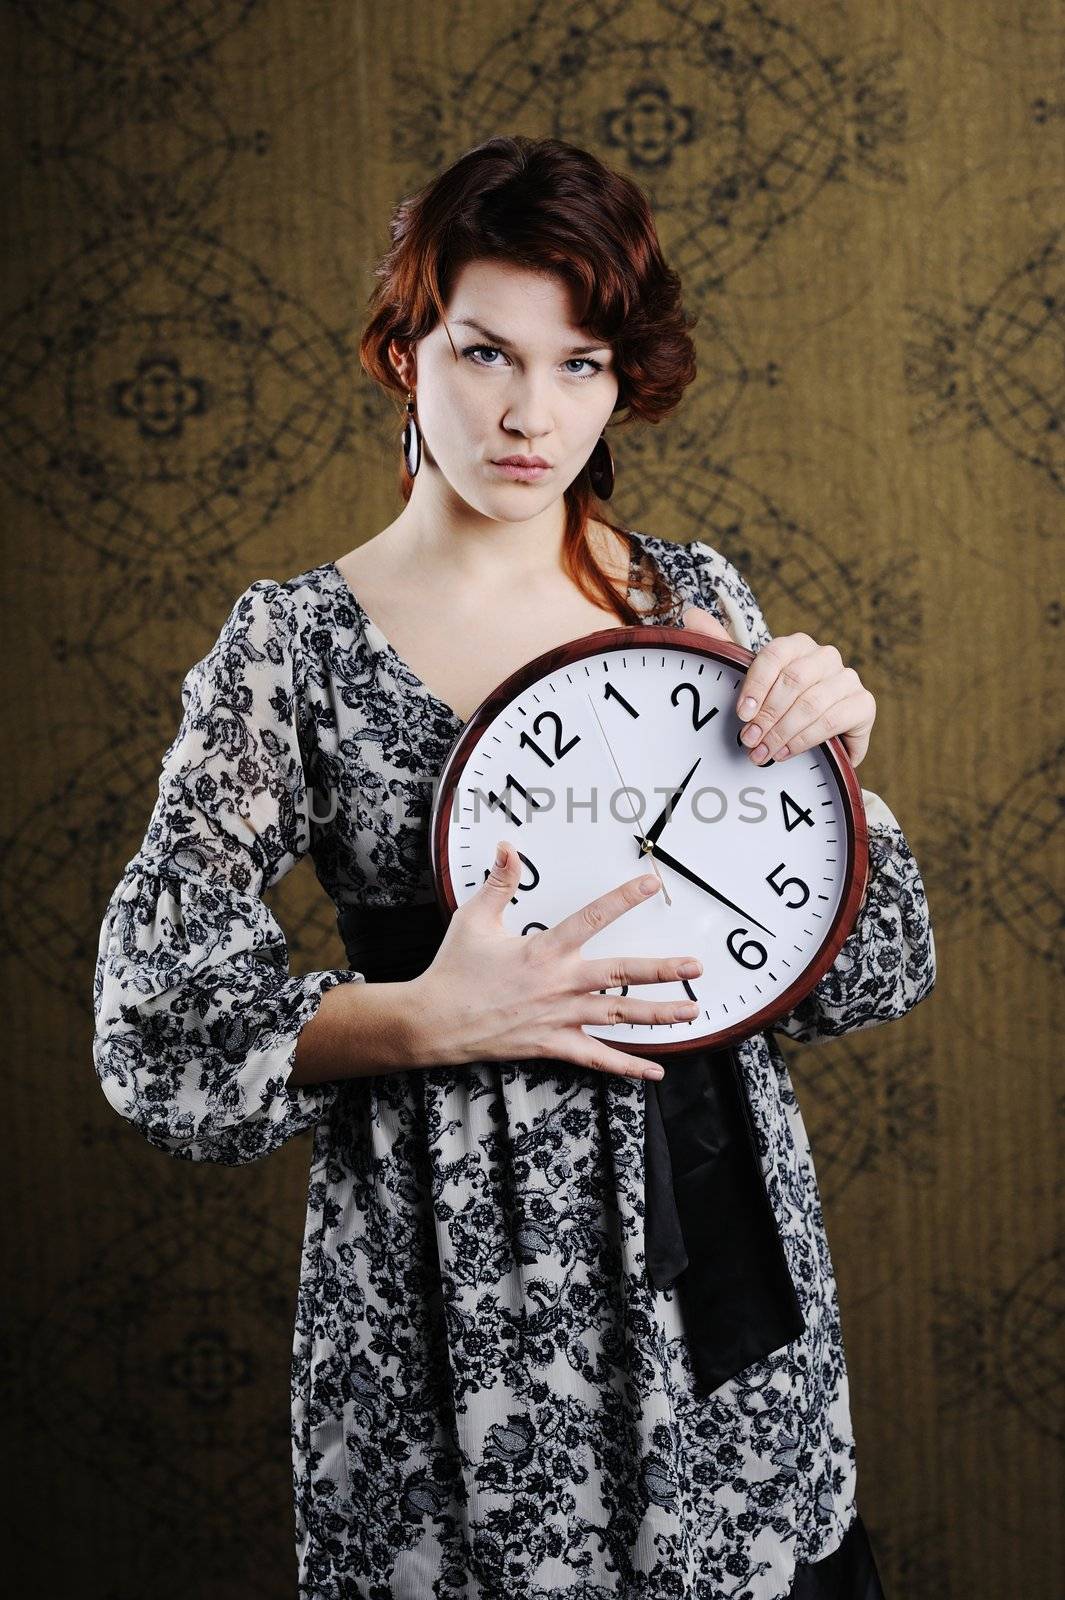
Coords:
pixel 493 995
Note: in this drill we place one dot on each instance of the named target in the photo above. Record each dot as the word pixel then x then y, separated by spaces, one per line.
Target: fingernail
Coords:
pixel 747 705
pixel 690 969
pixel 655 1072
pixel 649 884
pixel 501 854
pixel 761 753
pixel 751 733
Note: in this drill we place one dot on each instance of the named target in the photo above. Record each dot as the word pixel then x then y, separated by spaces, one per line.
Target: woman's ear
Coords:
pixel 402 362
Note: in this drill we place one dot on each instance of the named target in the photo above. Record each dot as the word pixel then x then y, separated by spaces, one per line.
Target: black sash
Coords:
pixel 708 1221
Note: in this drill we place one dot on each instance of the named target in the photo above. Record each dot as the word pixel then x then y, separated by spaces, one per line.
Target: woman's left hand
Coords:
pixel 796 694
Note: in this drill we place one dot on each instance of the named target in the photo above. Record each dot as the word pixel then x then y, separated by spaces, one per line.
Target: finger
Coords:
pixel 766 668
pixel 842 716
pixel 700 621
pixel 617 972
pixel 850 717
pixel 612 1011
pixel 808 709
pixel 498 886
pixel 582 924
pixel 600 1058
pixel 794 682
pixel 808 702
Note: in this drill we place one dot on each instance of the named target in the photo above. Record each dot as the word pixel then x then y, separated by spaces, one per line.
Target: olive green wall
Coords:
pixel 865 203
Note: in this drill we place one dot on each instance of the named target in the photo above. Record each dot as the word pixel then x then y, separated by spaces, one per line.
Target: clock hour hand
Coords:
pixel 693 877
pixel 670 806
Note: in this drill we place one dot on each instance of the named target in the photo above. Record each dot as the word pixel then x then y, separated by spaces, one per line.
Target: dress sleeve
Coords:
pixel 887 963
pixel 197 1016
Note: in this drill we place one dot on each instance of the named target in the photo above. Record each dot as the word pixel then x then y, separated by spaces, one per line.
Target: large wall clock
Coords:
pixel 625 744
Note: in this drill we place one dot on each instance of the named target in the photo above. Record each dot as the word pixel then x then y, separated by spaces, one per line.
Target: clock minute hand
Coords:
pixel 670 806
pixel 700 883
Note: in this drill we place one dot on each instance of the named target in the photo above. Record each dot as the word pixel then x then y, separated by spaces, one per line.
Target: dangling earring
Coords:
pixel 601 468
pixel 412 439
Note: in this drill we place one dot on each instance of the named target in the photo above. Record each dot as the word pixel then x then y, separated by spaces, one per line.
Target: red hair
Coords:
pixel 550 207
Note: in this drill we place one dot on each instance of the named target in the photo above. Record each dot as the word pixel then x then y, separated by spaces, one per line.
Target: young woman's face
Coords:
pixel 516 389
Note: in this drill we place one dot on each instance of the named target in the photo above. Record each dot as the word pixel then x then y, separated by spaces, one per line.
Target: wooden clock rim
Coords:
pixel 687 641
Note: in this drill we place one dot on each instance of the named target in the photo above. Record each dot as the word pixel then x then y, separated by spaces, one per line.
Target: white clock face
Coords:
pixel 773 839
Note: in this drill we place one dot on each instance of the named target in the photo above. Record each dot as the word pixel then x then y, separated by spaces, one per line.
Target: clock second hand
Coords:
pixel 645 844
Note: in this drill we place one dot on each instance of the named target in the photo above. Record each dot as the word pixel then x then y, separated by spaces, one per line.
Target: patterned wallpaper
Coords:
pixel 866 205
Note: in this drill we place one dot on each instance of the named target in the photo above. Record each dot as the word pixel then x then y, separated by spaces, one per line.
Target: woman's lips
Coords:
pixel 523 473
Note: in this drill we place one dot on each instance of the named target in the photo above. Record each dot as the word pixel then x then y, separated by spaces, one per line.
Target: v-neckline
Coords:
pixel 389 649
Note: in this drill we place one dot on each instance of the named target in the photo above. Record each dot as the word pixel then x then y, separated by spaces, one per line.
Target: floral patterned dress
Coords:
pixel 490 1399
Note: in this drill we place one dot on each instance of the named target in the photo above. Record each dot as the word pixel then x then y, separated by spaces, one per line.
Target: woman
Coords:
pixel 490 1395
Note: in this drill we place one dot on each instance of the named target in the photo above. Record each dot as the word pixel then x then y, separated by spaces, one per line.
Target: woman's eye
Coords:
pixel 477 348
pixel 492 350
